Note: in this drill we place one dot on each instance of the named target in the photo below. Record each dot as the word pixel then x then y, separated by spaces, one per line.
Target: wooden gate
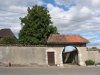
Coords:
pixel 51 58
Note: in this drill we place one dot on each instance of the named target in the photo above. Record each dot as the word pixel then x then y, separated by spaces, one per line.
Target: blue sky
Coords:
pixel 80 17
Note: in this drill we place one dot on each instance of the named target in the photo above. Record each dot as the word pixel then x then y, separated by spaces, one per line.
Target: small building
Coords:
pixel 56 49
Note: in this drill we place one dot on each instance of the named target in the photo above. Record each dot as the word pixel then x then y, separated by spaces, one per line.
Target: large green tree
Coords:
pixel 36 26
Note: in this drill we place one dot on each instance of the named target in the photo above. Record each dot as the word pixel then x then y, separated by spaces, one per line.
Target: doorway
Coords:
pixel 70 55
pixel 51 58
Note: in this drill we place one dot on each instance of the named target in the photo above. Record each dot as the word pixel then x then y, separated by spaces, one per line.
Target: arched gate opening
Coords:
pixel 70 55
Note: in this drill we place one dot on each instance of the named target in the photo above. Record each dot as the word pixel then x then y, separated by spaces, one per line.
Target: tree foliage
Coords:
pixel 8 40
pixel 94 48
pixel 36 26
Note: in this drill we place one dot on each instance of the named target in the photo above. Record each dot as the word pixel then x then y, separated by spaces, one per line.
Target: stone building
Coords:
pixel 56 46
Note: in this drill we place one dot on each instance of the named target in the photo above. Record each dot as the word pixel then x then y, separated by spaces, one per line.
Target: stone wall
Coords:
pixel 94 55
pixel 58 54
pixel 38 55
pixel 82 55
pixel 23 55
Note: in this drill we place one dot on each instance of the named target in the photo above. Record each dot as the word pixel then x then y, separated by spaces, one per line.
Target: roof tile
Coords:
pixel 62 39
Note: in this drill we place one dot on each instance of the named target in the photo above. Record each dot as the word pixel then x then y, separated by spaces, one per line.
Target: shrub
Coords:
pixel 89 62
pixel 99 50
pixel 8 40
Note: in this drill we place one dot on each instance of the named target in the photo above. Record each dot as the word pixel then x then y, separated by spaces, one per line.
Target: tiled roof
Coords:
pixel 64 39
pixel 6 32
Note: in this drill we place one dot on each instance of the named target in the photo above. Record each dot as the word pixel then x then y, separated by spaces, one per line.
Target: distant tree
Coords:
pixel 94 48
pixel 99 50
pixel 8 40
pixel 36 26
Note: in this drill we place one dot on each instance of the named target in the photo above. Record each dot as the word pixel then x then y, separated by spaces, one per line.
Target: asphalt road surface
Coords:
pixel 50 71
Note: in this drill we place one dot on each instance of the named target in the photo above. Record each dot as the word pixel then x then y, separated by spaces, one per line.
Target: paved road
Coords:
pixel 51 71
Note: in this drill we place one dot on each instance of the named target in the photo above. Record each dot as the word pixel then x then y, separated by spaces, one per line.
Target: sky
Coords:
pixel 69 49
pixel 79 17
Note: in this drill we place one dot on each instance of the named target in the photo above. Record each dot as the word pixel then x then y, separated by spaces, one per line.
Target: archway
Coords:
pixel 70 55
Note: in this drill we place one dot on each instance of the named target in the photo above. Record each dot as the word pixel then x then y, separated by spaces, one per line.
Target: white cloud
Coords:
pixel 84 18
pixel 61 2
pixel 72 18
pixel 19 9
pixel 84 11
pixel 92 4
pixel 12 10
